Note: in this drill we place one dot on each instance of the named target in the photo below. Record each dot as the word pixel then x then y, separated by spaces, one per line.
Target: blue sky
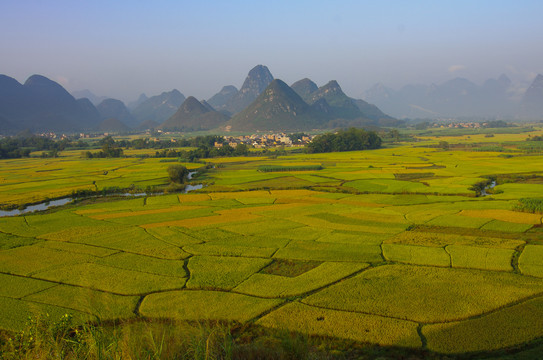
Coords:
pixel 123 48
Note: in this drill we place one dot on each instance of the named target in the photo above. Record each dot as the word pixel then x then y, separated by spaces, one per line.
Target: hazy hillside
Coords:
pixel 221 99
pixel 113 108
pixel 257 80
pixel 158 108
pixel 278 108
pixel 532 102
pixel 457 97
pixel 41 104
pixel 193 115
pixel 113 125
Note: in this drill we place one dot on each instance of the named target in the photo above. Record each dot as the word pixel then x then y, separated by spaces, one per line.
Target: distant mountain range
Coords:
pixel 460 98
pixel 158 108
pixel 194 115
pixel 41 104
pixel 262 103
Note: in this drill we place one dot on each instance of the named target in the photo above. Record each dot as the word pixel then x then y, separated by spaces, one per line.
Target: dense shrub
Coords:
pixel 345 140
pixel 532 205
pixel 177 173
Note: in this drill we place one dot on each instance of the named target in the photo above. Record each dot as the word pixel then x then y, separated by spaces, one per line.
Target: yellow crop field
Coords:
pixel 219 305
pixel 480 258
pixel 420 255
pixel 507 327
pixel 426 294
pixel 360 327
pixel 531 260
pixel 214 272
pixel 389 247
pixel 504 215
pixel 272 286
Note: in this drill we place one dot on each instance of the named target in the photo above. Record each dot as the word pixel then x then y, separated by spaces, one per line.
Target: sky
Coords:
pixel 123 48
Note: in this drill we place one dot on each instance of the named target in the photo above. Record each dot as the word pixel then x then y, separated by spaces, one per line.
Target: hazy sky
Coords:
pixel 121 48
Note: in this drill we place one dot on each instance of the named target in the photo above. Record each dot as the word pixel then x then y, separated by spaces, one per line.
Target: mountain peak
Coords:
pixel 257 80
pixel 504 79
pixel 37 80
pixel 538 81
pixel 221 99
pixel 304 88
pixel 113 108
pixel 160 107
pixel 279 107
pixel 194 115
pixel 532 101
pixel 329 91
pixel 331 88
pixel 192 105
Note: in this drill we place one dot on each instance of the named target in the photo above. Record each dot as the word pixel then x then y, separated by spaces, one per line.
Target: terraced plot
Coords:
pixel 426 294
pixel 370 248
pixel 507 327
pixel 360 327
pixel 205 305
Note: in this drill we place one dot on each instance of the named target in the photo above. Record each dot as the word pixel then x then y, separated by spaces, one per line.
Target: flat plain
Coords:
pixel 388 246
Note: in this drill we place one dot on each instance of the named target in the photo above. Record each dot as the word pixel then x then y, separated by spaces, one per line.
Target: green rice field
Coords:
pixel 387 247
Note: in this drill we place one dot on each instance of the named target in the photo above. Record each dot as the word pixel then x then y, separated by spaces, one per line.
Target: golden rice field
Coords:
pixel 387 247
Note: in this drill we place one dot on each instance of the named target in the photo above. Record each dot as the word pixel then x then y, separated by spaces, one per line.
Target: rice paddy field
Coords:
pixel 387 247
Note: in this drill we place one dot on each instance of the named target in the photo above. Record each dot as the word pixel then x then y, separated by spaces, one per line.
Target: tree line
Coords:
pixel 345 140
pixel 19 147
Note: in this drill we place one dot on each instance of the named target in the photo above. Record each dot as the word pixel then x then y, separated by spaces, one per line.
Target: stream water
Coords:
pixel 491 186
pixel 59 202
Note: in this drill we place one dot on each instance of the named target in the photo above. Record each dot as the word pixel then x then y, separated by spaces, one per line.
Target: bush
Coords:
pixel 177 173
pixel 345 140
pixel 531 205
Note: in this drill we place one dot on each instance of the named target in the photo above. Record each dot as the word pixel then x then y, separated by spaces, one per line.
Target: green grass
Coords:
pixel 426 294
pixel 77 248
pixel 219 272
pixel 480 258
pixel 531 205
pixel 226 250
pixel 273 286
pixel 110 279
pixel 17 287
pixel 359 327
pixel 145 264
pixel 419 255
pixel 205 305
pixel 498 225
pixel 424 255
pixel 104 305
pixel 279 168
pixel 8 241
pixel 512 326
pixel 28 260
pixel 459 221
pixel 15 313
pixel 289 268
pixel 531 260
pixel 323 251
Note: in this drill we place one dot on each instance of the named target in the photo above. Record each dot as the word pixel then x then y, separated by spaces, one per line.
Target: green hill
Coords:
pixel 193 115
pixel 113 125
pixel 159 108
pixel 341 105
pixel 305 88
pixel 278 108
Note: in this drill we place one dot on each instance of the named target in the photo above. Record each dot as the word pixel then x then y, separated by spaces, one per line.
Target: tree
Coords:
pixel 345 140
pixel 177 173
pixel 443 145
